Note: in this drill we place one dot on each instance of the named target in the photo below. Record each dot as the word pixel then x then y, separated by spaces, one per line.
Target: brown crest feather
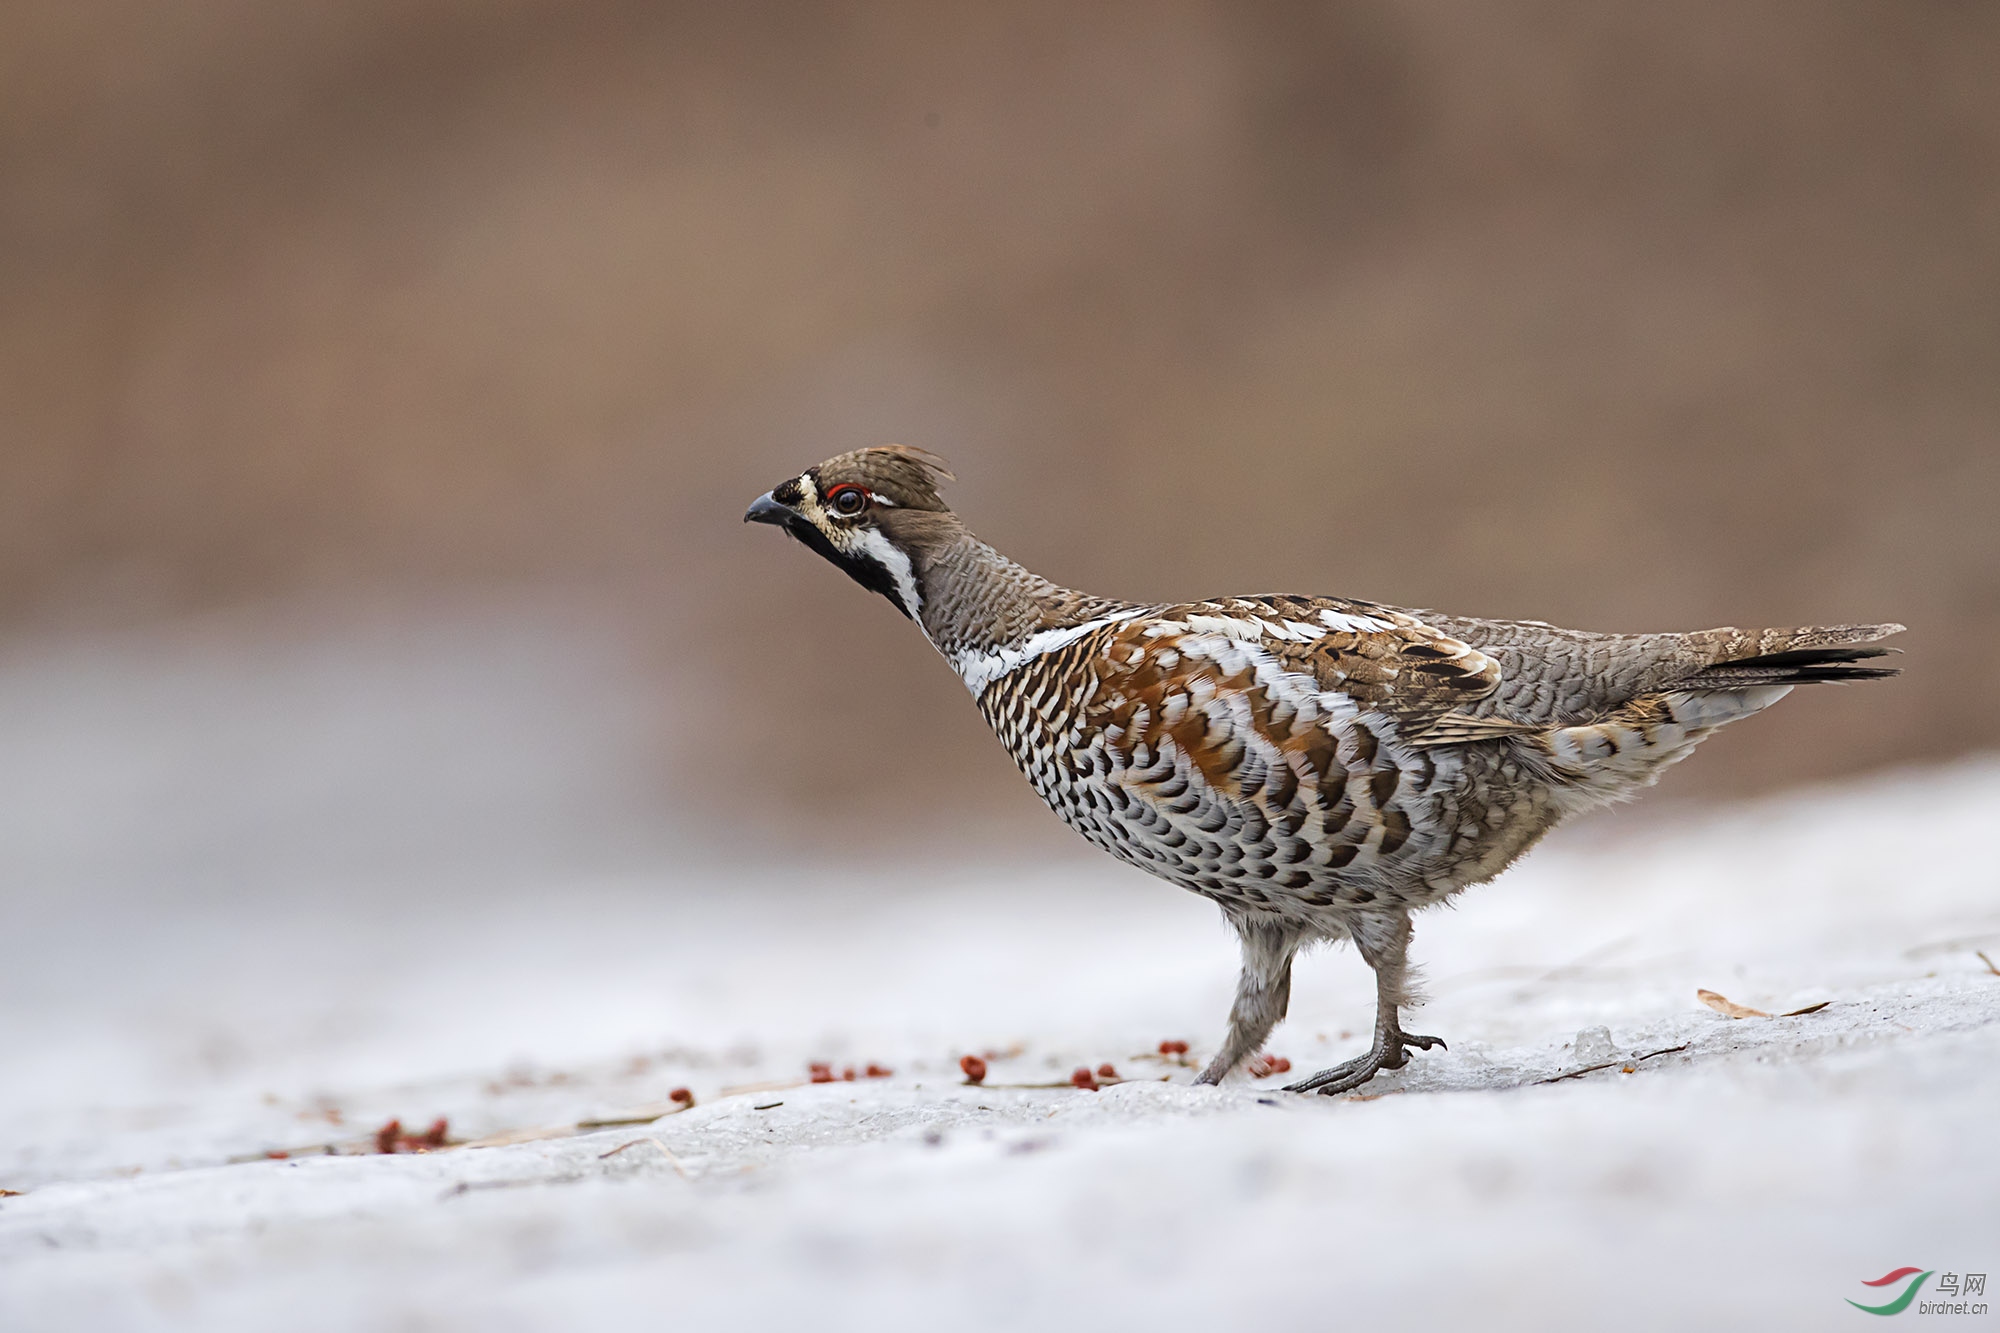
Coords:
pixel 906 476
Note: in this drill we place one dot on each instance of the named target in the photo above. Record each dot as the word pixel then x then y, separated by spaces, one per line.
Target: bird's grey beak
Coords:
pixel 766 510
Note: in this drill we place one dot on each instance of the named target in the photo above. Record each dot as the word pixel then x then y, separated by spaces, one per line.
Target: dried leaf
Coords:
pixel 1809 1009
pixel 1988 961
pixel 1727 1007
pixel 10 1194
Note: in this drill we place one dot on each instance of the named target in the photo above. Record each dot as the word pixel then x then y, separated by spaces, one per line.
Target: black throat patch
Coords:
pixel 869 573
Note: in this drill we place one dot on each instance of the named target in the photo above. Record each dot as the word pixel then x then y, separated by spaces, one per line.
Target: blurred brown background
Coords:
pixel 1623 316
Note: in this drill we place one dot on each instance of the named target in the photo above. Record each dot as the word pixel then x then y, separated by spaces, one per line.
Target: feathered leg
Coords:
pixel 1384 944
pixel 1263 992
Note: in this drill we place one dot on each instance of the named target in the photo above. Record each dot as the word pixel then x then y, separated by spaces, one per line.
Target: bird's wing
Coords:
pixel 1384 660
pixel 1257 695
pixel 1307 719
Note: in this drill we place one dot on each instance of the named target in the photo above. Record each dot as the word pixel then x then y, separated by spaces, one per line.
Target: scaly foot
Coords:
pixel 1348 1076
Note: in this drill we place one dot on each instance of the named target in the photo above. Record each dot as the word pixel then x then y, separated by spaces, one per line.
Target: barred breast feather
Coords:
pixel 1289 755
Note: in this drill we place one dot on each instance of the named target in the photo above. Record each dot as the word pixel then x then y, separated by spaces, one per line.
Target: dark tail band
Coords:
pixel 1799 666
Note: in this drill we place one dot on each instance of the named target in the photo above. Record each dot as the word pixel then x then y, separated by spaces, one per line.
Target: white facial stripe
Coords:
pixel 808 505
pixel 980 669
pixel 871 542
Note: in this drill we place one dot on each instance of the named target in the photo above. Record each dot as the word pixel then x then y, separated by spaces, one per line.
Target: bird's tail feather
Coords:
pixel 1794 657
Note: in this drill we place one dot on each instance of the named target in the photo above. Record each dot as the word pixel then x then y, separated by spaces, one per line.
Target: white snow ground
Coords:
pixel 178 992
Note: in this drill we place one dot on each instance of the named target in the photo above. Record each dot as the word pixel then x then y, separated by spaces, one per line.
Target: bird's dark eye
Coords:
pixel 847 501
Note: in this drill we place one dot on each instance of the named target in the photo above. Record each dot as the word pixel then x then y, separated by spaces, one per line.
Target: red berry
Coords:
pixel 435 1136
pixel 877 1071
pixel 681 1097
pixel 1171 1047
pixel 1106 1071
pixel 974 1067
pixel 847 1074
pixel 387 1137
pixel 1083 1078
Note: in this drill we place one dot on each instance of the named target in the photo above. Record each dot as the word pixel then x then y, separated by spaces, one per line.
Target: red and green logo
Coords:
pixel 1902 1302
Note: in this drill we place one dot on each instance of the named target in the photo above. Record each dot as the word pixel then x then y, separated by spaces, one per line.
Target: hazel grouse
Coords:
pixel 1320 767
